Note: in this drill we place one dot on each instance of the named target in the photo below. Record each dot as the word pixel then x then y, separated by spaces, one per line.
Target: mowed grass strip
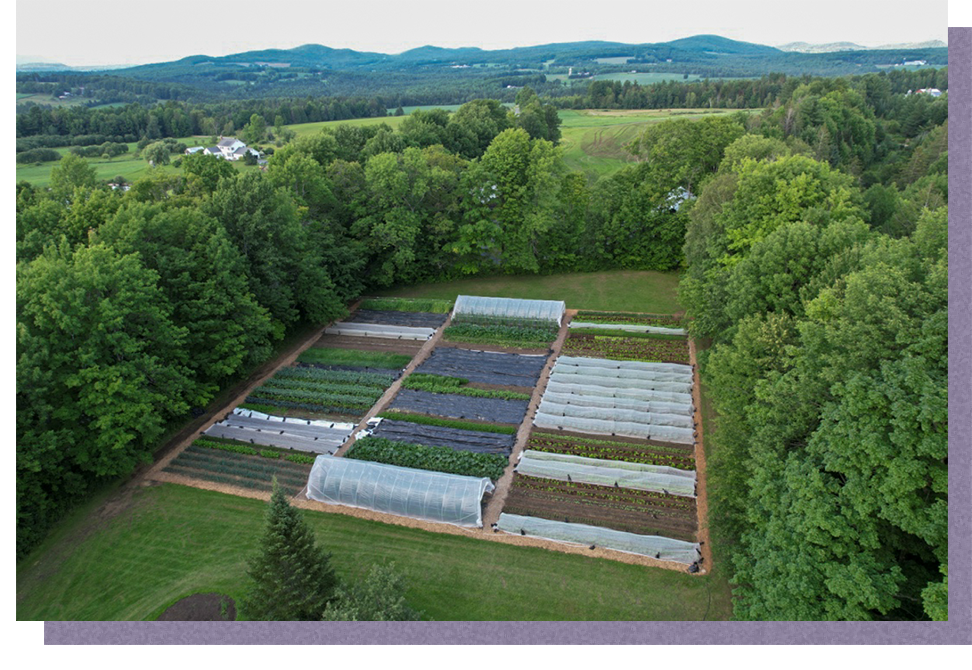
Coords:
pixel 613 290
pixel 175 540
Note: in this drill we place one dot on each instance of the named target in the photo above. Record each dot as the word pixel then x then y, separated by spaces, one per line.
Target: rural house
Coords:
pixel 229 148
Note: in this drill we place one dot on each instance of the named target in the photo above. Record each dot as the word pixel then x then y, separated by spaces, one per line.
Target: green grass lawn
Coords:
pixel 172 541
pixel 303 129
pixel 616 290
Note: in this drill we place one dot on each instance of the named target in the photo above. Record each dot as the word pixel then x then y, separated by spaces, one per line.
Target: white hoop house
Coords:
pixel 419 494
pixel 511 308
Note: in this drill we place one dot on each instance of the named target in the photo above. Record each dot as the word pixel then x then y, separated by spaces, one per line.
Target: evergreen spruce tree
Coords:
pixel 292 576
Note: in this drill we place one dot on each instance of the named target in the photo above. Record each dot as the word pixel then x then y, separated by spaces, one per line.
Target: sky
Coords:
pixel 76 33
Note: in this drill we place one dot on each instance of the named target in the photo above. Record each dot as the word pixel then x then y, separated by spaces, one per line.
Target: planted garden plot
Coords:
pixel 494 410
pixel 420 494
pixel 662 548
pixel 501 332
pixel 620 474
pixel 612 450
pixel 422 457
pixel 484 367
pixel 300 434
pixel 457 385
pixel 309 392
pixel 440 436
pixel 397 318
pixel 430 305
pixel 408 348
pixel 647 348
pixel 382 331
pixel 241 465
pixel 340 358
pixel 627 510
pixel 667 320
pixel 626 327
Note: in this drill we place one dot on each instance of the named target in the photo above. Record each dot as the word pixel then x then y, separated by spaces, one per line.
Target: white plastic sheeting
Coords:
pixel 510 308
pixel 379 330
pixel 641 476
pixel 317 437
pixel 550 407
pixel 632 366
pixel 629 327
pixel 555 386
pixel 657 407
pixel 642 431
pixel 662 548
pixel 419 494
pixel 323 423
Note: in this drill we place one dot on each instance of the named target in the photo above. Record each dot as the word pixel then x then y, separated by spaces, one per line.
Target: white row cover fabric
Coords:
pixel 655 546
pixel 616 414
pixel 656 407
pixel 511 308
pixel 565 369
pixel 555 386
pixel 583 361
pixel 629 327
pixel 641 476
pixel 596 379
pixel 290 435
pixel 380 331
pixel 642 431
pixel 252 413
pixel 419 494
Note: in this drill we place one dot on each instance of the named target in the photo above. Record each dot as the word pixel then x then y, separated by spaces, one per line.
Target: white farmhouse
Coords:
pixel 229 148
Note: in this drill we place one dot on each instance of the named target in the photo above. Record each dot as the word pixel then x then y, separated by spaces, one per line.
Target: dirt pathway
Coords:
pixel 702 492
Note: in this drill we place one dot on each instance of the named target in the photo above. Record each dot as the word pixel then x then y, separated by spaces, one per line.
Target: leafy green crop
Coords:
pixel 456 385
pixel 448 423
pixel 369 359
pixel 439 459
pixel 408 305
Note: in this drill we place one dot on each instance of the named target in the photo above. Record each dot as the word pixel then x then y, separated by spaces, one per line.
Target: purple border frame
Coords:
pixel 958 630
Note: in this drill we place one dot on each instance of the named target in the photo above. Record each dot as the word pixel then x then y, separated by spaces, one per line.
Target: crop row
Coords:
pixel 275 405
pixel 610 450
pixel 336 399
pixel 353 357
pixel 321 388
pixel 439 459
pixel 233 446
pixel 242 481
pixel 456 385
pixel 647 349
pixel 501 332
pixel 336 376
pixel 608 495
pixel 665 320
pixel 459 424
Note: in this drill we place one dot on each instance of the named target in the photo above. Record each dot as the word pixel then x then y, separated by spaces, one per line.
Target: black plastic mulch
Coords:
pixel 484 367
pixel 494 410
pixel 392 318
pixel 440 436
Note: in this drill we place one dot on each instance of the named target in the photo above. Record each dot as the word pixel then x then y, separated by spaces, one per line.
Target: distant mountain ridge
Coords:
pixel 804 47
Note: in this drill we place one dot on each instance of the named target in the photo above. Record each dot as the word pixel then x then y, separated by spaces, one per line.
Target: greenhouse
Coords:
pixel 379 330
pixel 642 476
pixel 662 548
pixel 510 308
pixel 419 494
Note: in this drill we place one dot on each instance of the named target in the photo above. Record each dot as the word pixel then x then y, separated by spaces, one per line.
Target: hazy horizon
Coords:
pixel 179 31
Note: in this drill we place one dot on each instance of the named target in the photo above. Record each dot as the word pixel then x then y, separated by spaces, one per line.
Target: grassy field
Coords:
pixel 169 541
pixel 617 290
pixel 303 129
pixel 593 140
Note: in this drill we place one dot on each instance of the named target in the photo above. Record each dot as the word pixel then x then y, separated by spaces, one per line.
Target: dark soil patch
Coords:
pixel 201 607
pixel 409 347
pixel 684 448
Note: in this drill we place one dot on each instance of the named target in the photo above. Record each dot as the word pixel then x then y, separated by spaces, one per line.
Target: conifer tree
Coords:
pixel 292 576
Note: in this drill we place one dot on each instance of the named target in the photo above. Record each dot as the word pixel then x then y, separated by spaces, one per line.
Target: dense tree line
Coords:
pixel 812 236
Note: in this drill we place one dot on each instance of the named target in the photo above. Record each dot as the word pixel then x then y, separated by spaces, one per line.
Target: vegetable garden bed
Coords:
pixel 408 305
pixel 675 456
pixel 437 459
pixel 397 318
pixel 461 407
pixel 484 367
pixel 505 332
pixel 668 320
pixel 648 348
pixel 628 510
pixel 239 467
pixel 309 392
pixel 441 436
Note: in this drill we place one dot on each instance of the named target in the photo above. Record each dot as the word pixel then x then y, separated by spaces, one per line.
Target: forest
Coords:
pixel 811 237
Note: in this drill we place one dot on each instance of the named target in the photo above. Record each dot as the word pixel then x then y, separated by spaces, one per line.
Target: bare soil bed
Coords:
pixel 201 607
pixel 408 347
pixel 628 510
pixel 396 318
